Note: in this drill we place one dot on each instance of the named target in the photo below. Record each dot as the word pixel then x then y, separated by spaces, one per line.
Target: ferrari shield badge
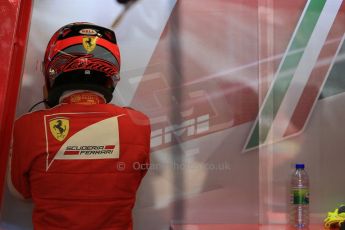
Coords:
pixel 59 128
pixel 89 43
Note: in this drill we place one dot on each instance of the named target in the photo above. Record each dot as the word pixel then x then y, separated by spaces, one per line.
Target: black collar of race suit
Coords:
pixel 56 92
pixel 72 81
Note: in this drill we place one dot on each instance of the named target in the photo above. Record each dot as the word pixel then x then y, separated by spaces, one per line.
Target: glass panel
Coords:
pixel 304 43
pixel 237 92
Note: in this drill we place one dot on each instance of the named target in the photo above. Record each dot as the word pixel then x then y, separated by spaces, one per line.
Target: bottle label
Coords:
pixel 300 196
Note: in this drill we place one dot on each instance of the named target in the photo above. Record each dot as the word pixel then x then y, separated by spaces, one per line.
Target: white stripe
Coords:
pixel 258 117
pixel 304 69
pixel 334 59
pixel 46 131
pixel 90 135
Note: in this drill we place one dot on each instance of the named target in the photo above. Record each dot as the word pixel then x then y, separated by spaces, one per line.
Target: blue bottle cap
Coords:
pixel 299 166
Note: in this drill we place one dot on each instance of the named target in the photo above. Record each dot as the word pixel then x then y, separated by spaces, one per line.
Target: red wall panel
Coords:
pixel 14 29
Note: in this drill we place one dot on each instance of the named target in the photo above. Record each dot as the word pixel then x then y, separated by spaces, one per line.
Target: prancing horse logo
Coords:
pixel 59 127
pixel 89 43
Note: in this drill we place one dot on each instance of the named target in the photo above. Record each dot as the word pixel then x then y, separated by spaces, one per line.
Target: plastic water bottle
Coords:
pixel 300 198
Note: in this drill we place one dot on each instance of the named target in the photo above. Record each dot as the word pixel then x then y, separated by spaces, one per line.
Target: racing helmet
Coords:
pixel 81 56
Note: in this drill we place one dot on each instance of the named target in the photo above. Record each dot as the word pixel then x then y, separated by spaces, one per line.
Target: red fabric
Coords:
pixel 15 17
pixel 80 193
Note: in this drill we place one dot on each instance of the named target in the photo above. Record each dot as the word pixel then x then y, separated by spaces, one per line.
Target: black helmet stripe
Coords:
pixel 98 52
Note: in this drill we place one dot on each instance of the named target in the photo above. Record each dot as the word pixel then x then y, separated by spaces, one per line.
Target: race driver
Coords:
pixel 75 160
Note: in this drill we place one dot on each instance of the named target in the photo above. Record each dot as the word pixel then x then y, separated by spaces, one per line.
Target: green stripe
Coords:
pixel 335 83
pixel 286 72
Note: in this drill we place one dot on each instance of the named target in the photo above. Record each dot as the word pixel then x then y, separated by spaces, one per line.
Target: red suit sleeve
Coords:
pixel 143 122
pixel 19 164
pixel 148 142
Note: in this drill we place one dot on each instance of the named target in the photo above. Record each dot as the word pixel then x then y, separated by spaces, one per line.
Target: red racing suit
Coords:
pixel 81 165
